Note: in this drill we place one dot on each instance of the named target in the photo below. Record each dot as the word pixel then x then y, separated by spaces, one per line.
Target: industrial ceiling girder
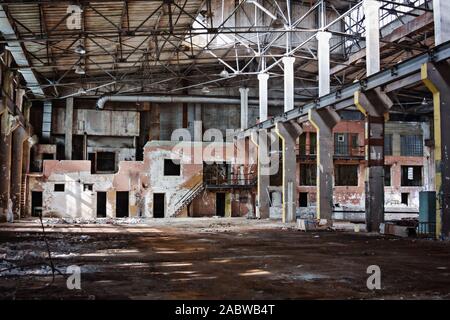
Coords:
pixel 343 97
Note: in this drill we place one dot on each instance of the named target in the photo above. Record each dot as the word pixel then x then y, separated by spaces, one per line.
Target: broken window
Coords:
pixel 88 187
pixel 172 167
pixel 388 145
pixel 106 161
pixel 308 172
pixel 411 145
pixel 346 174
pixel 59 187
pixel 387 176
pixel 411 176
pixel 405 198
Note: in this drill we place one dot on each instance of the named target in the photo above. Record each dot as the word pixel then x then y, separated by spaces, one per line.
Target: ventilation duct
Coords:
pixel 184 99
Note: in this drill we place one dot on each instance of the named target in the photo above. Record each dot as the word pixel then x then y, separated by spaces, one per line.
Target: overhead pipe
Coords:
pixel 185 99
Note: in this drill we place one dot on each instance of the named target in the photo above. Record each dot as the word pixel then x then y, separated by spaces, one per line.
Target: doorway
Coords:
pixel 101 204
pixel 158 205
pixel 36 203
pixel 121 204
pixel 220 204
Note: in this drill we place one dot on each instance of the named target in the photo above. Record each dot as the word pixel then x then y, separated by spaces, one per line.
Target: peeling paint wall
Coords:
pixel 352 198
pixel 140 178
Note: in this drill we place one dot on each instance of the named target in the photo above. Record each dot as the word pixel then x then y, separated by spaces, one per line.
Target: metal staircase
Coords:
pixel 188 198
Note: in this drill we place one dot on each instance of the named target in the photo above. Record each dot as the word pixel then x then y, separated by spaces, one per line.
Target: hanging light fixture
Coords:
pixel 79 69
pixel 205 89
pixel 80 49
pixel 224 73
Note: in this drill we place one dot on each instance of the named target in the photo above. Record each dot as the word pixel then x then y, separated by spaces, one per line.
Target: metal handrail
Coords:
pixel 188 194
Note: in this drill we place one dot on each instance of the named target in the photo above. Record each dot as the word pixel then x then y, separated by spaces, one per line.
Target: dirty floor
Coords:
pixel 216 259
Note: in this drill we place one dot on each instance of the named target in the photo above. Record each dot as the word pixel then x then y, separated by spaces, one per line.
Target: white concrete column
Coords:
pixel 441 9
pixel 198 126
pixel 68 129
pixel 372 19
pixel 263 92
pixel 288 65
pixel 244 107
pixel 323 55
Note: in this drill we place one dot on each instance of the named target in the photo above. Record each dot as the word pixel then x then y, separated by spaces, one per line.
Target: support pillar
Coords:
pixel 5 164
pixel 288 65
pixel 244 108
pixel 372 20
pixel 289 133
pixel 155 125
pixel 323 52
pixel 263 92
pixel 441 8
pixel 68 129
pixel 324 121
pixel 198 125
pixel 263 174
pixel 436 77
pixel 375 106
pixel 18 138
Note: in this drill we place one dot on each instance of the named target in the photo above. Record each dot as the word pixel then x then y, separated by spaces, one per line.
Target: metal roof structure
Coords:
pixel 138 47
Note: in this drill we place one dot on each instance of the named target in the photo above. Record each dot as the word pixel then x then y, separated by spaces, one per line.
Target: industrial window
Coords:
pixel 411 145
pixel 302 144
pixel 59 187
pixel 308 174
pixel 412 176
pixel 388 145
pixel 106 161
pixel 344 143
pixel 346 175
pixel 312 143
pixel 387 176
pixel 88 187
pixel 172 167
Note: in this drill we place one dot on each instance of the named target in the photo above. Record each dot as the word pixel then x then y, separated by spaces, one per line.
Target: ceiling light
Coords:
pixel 424 102
pixel 81 91
pixel 79 69
pixel 80 49
pixel 206 90
pixel 224 73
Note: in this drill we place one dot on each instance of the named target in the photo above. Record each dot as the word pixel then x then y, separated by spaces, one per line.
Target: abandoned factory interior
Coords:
pixel 224 149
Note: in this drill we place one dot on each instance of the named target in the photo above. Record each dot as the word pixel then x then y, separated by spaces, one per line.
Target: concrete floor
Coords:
pixel 217 259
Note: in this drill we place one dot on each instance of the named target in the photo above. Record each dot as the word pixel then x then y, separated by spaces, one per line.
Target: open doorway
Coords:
pixel 158 205
pixel 220 204
pixel 101 204
pixel 36 203
pixel 121 204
